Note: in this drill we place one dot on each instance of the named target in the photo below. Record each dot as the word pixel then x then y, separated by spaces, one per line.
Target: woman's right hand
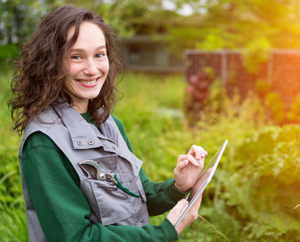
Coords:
pixel 179 208
pixel 191 215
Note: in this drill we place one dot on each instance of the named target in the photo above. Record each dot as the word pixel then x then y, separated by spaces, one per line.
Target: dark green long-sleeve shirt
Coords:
pixel 62 209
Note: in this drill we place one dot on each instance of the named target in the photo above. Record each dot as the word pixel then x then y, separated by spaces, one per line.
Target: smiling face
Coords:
pixel 88 65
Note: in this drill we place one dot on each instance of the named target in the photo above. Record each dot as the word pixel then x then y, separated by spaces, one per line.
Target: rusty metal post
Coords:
pixel 270 68
pixel 224 67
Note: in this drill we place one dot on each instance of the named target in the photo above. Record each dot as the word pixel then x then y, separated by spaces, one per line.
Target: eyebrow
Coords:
pixel 79 49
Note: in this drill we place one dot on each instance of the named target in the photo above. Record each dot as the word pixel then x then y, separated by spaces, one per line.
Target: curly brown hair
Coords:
pixel 40 72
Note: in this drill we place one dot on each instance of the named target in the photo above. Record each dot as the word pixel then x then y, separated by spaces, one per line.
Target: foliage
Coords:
pixel 13 225
pixel 293 114
pixel 214 24
pixel 210 42
pixel 238 23
pixel 12 208
pixel 269 180
pixel 7 54
pixel 165 135
pixel 256 54
pixel 255 188
pixel 127 17
pixel 276 105
pixel 198 93
pixel 144 114
pixel 19 19
pixel 262 87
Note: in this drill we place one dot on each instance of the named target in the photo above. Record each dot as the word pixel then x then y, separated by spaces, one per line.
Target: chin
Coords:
pixel 92 96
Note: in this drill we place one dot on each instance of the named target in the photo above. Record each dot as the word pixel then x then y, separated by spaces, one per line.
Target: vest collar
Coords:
pixel 81 133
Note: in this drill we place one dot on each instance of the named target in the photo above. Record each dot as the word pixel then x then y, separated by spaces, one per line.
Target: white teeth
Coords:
pixel 90 82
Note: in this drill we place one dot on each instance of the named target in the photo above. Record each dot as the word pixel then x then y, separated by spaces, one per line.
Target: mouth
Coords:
pixel 88 81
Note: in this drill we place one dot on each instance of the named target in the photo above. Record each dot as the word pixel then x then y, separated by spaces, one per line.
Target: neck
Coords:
pixel 80 108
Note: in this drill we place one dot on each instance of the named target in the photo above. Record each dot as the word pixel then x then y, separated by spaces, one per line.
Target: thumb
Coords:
pixel 181 165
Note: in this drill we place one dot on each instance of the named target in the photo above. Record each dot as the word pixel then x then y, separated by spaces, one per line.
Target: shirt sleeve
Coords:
pixel 161 197
pixel 61 207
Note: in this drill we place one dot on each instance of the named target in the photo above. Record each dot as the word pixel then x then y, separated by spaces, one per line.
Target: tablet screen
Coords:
pixel 203 180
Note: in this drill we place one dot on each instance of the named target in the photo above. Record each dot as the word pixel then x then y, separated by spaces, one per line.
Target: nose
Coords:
pixel 91 67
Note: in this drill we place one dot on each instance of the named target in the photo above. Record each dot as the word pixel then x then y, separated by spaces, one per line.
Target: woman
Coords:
pixel 80 179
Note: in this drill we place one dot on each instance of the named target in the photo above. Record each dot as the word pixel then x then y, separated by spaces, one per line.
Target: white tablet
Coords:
pixel 203 180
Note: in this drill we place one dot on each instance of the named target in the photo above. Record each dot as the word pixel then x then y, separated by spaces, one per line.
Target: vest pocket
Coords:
pixel 139 184
pixel 108 163
pixel 113 204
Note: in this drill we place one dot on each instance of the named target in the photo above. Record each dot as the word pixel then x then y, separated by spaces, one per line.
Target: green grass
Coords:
pixel 159 137
pixel 12 207
pixel 151 112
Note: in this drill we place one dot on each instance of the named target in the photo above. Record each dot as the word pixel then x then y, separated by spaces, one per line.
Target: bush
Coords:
pixel 262 87
pixel 293 114
pixel 255 189
pixel 266 186
pixel 8 52
pixel 276 106
pixel 255 55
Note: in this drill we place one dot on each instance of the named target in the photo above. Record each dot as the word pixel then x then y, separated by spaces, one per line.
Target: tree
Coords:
pixel 19 19
pixel 237 23
pixel 214 23
pixel 127 17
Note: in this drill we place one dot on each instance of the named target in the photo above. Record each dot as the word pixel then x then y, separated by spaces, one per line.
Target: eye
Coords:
pixel 99 55
pixel 76 57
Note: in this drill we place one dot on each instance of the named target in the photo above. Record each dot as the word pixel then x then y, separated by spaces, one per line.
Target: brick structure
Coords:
pixel 282 71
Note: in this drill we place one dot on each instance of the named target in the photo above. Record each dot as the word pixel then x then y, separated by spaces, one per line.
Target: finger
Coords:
pixel 197 204
pixel 198 152
pixel 181 158
pixel 182 204
pixel 181 165
pixel 192 160
pixel 193 212
pixel 185 205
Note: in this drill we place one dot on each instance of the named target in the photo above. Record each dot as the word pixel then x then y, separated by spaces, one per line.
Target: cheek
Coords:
pixel 73 69
pixel 105 66
pixel 67 82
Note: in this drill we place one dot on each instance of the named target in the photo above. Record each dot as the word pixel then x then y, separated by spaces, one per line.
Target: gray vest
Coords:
pixel 78 141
